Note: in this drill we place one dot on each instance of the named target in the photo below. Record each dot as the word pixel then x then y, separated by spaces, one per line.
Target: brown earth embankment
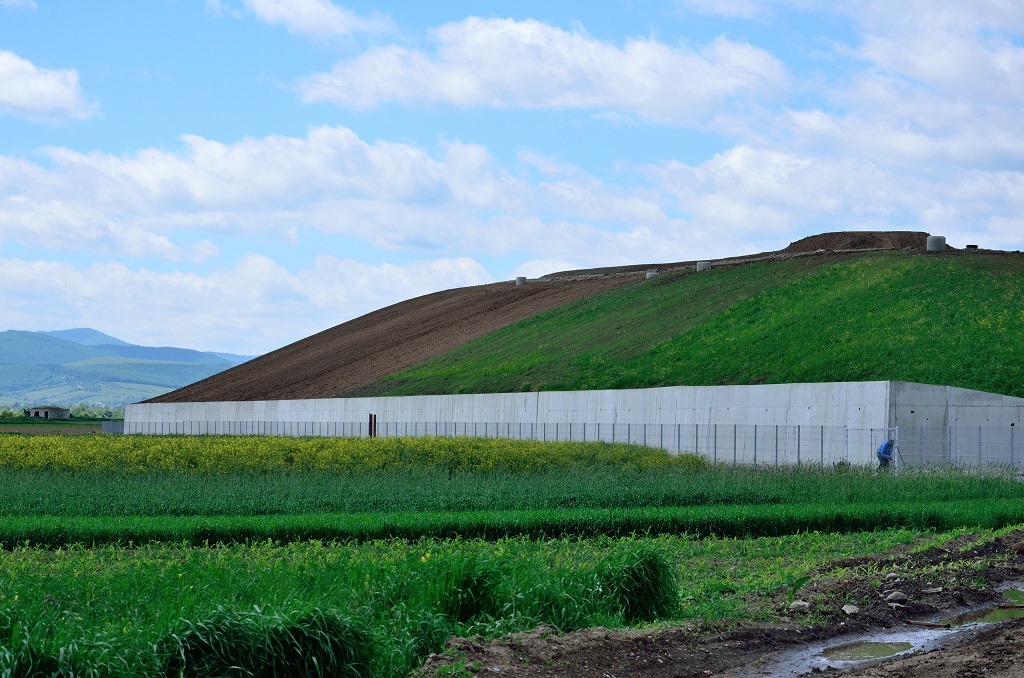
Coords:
pixel 375 345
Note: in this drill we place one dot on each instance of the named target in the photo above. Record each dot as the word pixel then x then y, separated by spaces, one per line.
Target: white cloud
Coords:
pixel 312 17
pixel 394 196
pixel 40 93
pixel 503 63
pixel 27 4
pixel 255 305
pixel 746 192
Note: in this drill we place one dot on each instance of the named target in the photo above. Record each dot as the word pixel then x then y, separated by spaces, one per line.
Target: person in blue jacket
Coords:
pixel 885 452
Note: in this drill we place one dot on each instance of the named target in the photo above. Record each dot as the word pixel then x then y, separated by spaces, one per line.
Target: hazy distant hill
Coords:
pixel 87 336
pixel 85 365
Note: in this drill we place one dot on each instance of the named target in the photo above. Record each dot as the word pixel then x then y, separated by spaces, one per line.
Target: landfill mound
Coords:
pixel 363 350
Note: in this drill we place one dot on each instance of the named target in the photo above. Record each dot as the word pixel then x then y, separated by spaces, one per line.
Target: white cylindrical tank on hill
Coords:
pixel 652 274
pixel 936 243
pixel 703 265
pixel 521 280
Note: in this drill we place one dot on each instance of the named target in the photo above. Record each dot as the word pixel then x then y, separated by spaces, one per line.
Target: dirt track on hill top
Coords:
pixel 372 346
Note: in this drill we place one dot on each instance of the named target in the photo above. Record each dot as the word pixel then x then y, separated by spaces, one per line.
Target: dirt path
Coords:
pixel 939 582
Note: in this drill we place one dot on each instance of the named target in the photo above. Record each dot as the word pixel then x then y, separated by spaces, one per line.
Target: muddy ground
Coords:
pixel 939 583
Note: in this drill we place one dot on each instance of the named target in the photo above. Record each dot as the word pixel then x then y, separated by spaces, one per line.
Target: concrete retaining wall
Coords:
pixel 852 404
pixel 935 423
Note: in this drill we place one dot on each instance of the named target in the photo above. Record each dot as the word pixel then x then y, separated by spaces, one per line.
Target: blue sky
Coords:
pixel 238 174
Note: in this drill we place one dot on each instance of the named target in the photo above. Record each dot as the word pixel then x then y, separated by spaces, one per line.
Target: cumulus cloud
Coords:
pixel 748 190
pixel 254 305
pixel 312 17
pixel 40 93
pixel 394 196
pixel 503 63
pixel 27 4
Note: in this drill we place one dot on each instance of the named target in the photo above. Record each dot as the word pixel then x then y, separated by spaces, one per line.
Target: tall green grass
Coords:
pixel 577 486
pixel 744 521
pixel 953 320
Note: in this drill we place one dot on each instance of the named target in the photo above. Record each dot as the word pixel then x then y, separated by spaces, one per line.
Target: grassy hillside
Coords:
pixel 37 367
pixel 951 319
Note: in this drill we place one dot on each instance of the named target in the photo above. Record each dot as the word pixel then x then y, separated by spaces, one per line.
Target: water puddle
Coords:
pixel 1013 610
pixel 864 650
pixel 858 650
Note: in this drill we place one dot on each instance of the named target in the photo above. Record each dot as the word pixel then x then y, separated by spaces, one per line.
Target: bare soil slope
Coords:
pixel 372 346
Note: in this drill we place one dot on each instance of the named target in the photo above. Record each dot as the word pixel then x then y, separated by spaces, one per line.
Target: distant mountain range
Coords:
pixel 84 365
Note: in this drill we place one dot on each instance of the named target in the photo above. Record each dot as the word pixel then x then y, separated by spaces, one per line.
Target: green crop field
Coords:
pixel 950 320
pixel 189 556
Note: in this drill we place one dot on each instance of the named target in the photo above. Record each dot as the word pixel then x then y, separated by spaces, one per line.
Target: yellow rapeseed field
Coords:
pixel 264 454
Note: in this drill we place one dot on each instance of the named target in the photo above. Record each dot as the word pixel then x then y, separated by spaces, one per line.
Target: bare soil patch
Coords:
pixel 360 351
pixel 939 582
pixel 861 240
pixel 56 429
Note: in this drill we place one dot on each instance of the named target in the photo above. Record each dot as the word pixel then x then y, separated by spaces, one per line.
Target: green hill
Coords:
pixel 55 367
pixel 953 318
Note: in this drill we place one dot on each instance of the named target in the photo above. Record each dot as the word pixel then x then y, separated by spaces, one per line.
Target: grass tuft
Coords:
pixel 263 645
pixel 642 582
